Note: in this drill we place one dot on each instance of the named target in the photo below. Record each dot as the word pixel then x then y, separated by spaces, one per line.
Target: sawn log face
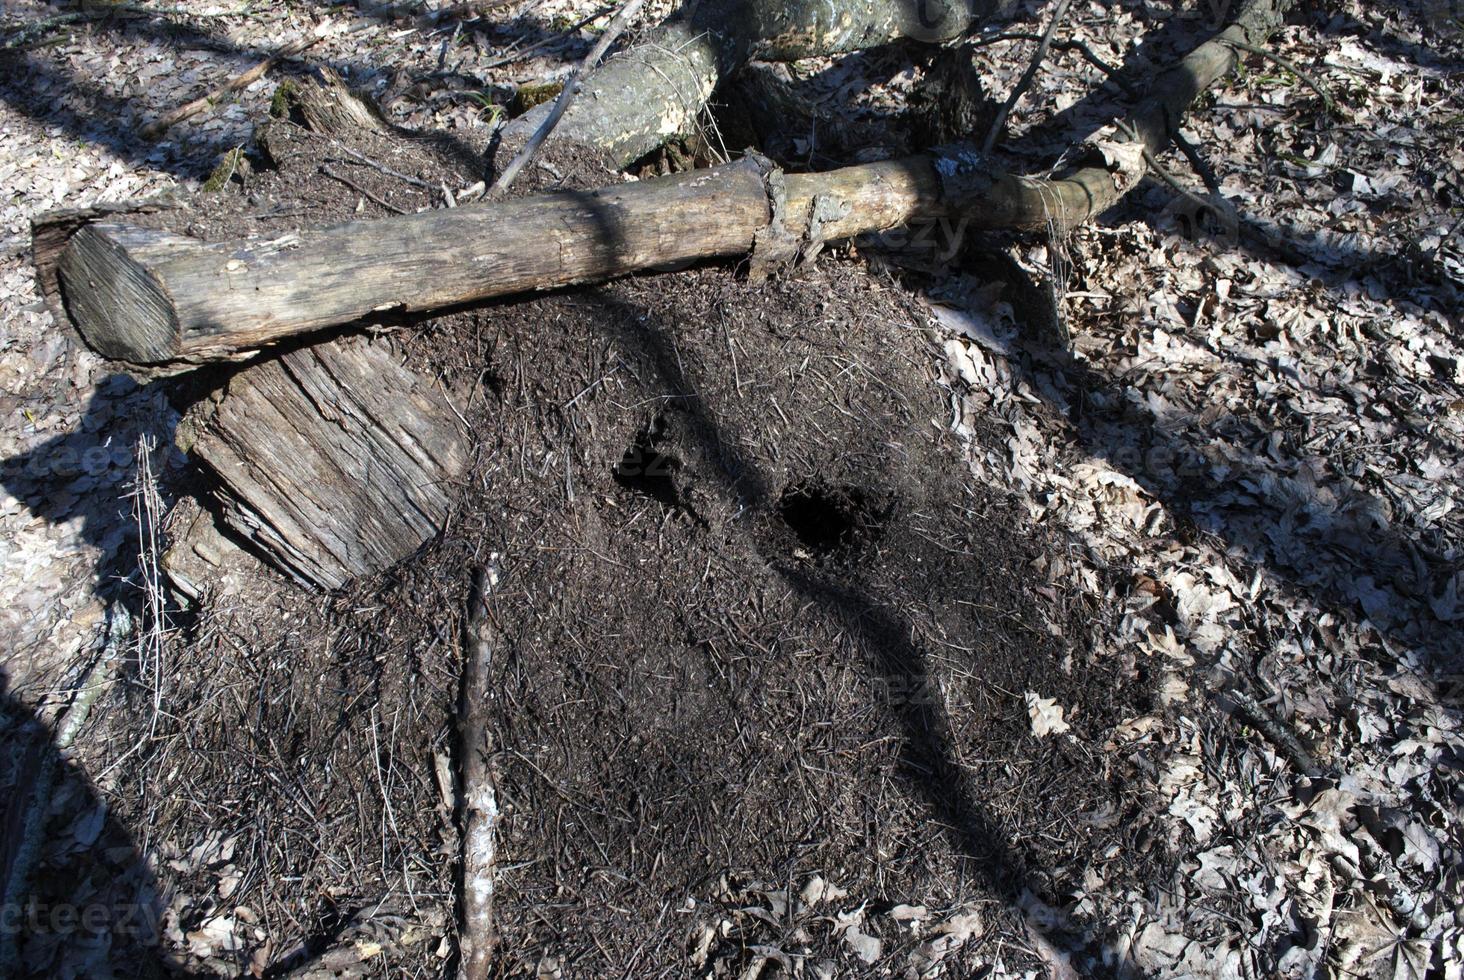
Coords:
pixel 335 460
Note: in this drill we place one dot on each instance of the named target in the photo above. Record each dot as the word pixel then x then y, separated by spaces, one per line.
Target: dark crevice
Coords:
pixel 644 469
pixel 829 519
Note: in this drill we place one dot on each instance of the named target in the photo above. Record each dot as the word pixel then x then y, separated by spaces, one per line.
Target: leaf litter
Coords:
pixel 1253 444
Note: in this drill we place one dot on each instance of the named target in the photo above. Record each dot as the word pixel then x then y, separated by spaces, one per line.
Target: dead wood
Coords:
pixel 243 80
pixel 328 106
pixel 335 461
pixel 148 296
pixel 477 793
pixel 657 88
pixel 566 96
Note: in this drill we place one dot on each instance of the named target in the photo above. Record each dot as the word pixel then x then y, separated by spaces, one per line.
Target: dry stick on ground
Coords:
pixel 374 199
pixel 378 166
pixel 1197 163
pixel 477 934
pixel 1220 206
pixel 150 297
pixel 1290 66
pixel 158 127
pixel 566 96
pixel 1274 731
pixel 998 125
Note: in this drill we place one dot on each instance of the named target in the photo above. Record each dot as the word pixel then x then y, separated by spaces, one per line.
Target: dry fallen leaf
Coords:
pixel 1046 715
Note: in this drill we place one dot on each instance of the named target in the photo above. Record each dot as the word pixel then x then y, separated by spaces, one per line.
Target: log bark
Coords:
pixel 334 460
pixel 152 297
pixel 149 296
pixel 656 89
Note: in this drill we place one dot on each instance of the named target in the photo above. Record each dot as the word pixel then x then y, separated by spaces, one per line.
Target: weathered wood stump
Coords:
pixel 331 461
pixel 334 460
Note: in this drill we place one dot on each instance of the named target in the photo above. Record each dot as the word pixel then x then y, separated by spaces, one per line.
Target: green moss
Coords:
pixel 284 96
pixel 229 164
pixel 533 94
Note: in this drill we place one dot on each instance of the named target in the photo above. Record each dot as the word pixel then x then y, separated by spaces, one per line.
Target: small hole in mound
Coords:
pixel 827 519
pixel 646 470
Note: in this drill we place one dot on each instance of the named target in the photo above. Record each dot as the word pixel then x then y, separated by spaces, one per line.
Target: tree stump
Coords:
pixel 334 460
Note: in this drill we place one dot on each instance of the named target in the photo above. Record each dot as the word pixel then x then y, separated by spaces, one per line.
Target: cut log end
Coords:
pixel 119 307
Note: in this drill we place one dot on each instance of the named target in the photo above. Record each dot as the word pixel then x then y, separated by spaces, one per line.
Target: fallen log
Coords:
pixel 150 297
pixel 332 461
pixel 657 88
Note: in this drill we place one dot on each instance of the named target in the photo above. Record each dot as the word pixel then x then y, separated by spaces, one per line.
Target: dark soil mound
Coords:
pixel 754 625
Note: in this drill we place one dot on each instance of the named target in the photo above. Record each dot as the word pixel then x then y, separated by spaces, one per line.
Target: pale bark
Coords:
pixel 150 297
pixel 657 88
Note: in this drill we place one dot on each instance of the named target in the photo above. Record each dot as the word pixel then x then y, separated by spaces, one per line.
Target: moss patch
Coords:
pixel 533 94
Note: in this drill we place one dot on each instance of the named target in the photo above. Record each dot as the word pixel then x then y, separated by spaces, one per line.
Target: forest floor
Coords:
pixel 1133 646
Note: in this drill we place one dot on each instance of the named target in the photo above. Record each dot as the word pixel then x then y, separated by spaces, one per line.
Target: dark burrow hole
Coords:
pixel 645 469
pixel 829 519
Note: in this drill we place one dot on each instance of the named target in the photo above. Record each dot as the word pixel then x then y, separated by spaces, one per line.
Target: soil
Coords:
pixel 754 627
pixel 1234 472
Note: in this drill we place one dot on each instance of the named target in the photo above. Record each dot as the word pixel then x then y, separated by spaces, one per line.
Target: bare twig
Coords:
pixel 1274 731
pixel 478 798
pixel 1197 162
pixel 158 127
pixel 381 167
pixel 1290 66
pixel 999 124
pixel 571 87
pixel 1071 44
pixel 333 175
pixel 524 52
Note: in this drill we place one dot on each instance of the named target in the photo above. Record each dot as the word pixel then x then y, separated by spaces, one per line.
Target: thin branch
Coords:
pixel 478 802
pixel 360 190
pixel 363 159
pixel 1290 66
pixel 998 126
pixel 1197 162
pixel 522 53
pixel 1071 44
pixel 1275 731
pixel 243 80
pixel 571 88
pixel 1162 172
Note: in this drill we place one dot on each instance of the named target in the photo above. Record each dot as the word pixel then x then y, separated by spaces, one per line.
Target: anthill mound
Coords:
pixel 754 626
